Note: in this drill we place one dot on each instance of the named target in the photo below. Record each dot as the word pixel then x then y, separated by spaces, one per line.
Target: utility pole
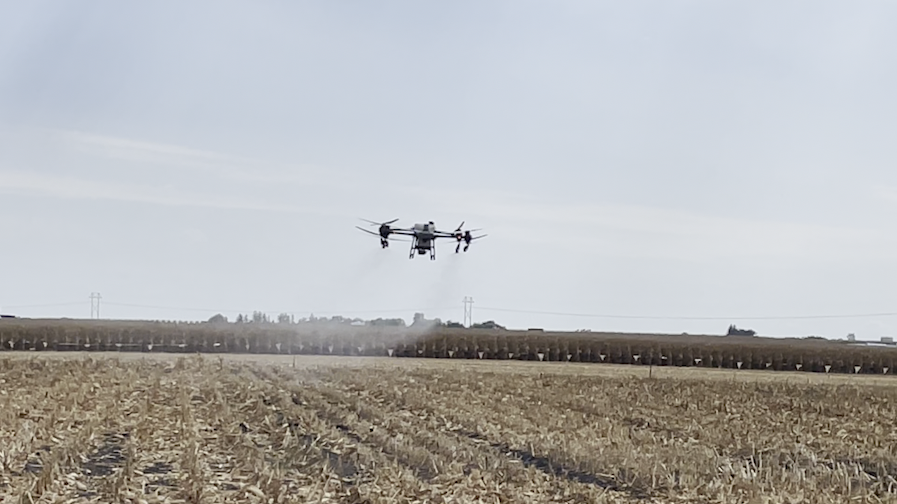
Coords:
pixel 468 311
pixel 95 304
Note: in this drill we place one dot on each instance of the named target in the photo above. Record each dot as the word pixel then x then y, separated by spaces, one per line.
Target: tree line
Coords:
pixel 420 320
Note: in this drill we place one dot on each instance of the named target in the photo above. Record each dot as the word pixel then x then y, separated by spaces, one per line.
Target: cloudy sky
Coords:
pixel 639 166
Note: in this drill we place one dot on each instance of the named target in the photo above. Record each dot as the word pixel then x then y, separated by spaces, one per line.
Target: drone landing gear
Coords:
pixel 416 249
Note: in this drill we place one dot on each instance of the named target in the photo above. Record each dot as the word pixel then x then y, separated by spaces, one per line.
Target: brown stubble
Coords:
pixel 204 429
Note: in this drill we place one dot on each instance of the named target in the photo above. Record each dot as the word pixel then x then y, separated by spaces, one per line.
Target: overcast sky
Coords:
pixel 648 158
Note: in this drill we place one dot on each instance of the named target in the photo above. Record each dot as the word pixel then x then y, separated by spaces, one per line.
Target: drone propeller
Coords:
pixel 366 230
pixel 467 238
pixel 460 235
pixel 378 234
pixel 379 223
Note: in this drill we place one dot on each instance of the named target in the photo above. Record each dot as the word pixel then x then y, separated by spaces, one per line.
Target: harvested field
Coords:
pixel 101 427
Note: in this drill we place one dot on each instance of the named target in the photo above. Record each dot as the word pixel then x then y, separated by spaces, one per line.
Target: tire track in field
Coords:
pixel 32 403
pixel 305 407
pixel 530 435
pixel 428 449
pixel 362 412
pixel 461 427
pixel 473 485
pixel 83 455
pixel 373 474
pixel 464 419
pixel 261 453
pixel 750 411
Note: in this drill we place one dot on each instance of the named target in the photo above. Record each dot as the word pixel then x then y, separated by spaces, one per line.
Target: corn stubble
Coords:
pixel 207 429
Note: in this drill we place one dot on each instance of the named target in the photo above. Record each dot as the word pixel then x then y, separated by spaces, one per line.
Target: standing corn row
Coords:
pixel 635 349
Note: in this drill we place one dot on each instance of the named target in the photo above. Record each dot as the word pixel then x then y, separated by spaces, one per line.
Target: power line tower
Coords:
pixel 468 311
pixel 95 304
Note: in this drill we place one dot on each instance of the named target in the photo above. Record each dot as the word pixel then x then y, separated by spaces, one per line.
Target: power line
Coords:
pixel 49 305
pixel 673 317
pixel 468 312
pixel 324 312
pixel 156 307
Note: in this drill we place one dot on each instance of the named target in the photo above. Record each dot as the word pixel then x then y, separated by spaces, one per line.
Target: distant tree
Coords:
pixel 260 317
pixel 284 318
pixel 387 322
pixel 734 331
pixel 489 324
pixel 421 321
pixel 240 318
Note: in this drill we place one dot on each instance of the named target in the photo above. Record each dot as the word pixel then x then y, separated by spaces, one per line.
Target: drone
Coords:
pixel 423 236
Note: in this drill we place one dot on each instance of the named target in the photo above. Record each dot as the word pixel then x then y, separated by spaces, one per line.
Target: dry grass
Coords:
pixel 162 428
